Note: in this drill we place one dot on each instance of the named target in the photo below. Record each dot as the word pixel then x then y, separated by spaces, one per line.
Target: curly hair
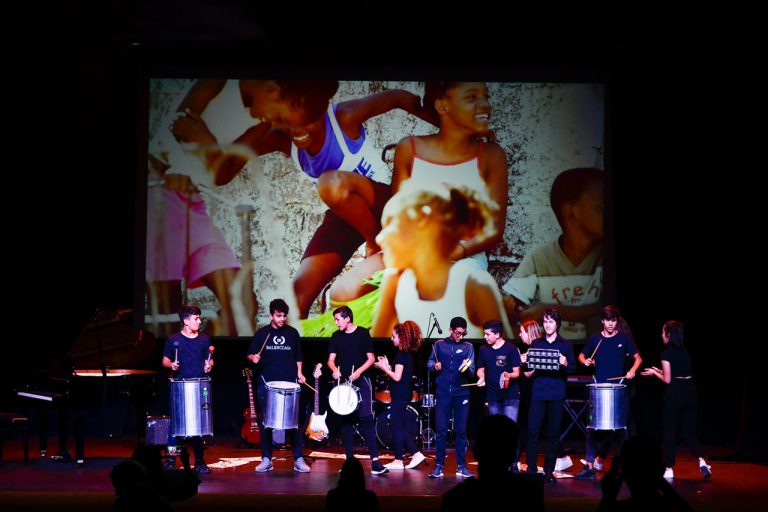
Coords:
pixel 410 336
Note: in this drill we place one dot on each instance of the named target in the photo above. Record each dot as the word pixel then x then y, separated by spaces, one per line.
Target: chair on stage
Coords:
pixel 12 424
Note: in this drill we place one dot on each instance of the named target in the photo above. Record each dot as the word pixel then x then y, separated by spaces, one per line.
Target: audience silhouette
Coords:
pixel 496 486
pixel 350 495
pixel 641 466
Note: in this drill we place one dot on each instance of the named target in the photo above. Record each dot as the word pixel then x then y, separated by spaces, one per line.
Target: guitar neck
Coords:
pixel 317 396
pixel 250 398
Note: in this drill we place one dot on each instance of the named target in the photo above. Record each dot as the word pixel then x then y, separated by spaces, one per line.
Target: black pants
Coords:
pixel 681 404
pixel 364 417
pixel 553 411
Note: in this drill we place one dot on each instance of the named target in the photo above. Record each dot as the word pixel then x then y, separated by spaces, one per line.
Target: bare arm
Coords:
pixel 664 374
pixel 335 371
pixel 385 316
pixel 402 165
pixel 351 114
pixel 638 360
pixel 481 302
pixel 494 174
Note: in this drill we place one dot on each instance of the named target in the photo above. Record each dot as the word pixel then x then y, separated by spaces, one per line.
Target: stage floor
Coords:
pixel 234 485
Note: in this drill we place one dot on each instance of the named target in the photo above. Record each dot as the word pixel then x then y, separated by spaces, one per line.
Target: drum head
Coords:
pixel 281 384
pixel 344 399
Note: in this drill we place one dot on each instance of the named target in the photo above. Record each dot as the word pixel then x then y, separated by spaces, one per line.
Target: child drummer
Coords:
pixel 188 354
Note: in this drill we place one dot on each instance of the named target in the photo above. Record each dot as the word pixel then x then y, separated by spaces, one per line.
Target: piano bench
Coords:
pixel 10 424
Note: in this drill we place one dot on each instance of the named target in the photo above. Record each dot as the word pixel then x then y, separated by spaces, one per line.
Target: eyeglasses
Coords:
pixel 460 334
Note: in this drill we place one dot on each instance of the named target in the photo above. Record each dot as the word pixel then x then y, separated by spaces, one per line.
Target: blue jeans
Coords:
pixel 508 408
pixel 444 406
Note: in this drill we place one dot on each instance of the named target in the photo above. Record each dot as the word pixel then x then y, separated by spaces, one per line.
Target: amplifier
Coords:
pixel 157 430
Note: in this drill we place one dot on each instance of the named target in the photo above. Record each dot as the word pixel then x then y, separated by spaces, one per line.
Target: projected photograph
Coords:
pixel 404 200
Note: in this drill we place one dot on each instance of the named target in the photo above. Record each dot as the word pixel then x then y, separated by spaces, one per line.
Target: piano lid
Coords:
pixel 109 332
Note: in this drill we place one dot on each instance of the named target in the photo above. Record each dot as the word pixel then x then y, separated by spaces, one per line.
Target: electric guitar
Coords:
pixel 250 431
pixel 317 430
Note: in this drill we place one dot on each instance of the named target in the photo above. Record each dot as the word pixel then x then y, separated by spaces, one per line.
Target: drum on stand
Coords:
pixel 384 426
pixel 282 409
pixel 344 398
pixel 381 391
pixel 607 406
pixel 191 410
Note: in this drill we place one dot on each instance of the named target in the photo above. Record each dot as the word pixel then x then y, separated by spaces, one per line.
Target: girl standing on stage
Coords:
pixel 680 398
pixel 407 338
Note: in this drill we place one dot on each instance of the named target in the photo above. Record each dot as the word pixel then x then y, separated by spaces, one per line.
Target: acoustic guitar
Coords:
pixel 250 431
pixel 317 430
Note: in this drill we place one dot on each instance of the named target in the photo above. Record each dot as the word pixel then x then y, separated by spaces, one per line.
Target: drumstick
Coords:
pixel 616 378
pixel 310 387
pixel 435 352
pixel 597 347
pixel 263 344
pixel 470 384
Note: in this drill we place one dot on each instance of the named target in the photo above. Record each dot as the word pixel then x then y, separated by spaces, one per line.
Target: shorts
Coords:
pixel 335 235
pixel 167 239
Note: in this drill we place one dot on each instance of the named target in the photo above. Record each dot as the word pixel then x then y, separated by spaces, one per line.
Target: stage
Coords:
pixel 233 485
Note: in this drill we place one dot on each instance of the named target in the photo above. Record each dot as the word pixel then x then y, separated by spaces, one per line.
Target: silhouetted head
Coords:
pixel 496 445
pixel 642 463
pixel 352 477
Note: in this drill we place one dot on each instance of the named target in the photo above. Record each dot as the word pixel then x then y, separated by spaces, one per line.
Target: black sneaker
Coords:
pixel 202 468
pixel 586 474
pixel 377 468
pixel 550 478
pixel 706 471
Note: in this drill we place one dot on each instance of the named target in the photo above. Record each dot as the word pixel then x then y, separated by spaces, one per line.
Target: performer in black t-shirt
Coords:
pixel 276 350
pixel 681 400
pixel 407 338
pixel 498 369
pixel 350 354
pixel 188 355
pixel 548 394
pixel 606 351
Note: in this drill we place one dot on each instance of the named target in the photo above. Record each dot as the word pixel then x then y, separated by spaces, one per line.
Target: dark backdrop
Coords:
pixel 685 122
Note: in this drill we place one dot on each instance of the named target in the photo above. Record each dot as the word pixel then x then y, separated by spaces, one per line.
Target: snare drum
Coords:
pixel 344 398
pixel 607 406
pixel 191 411
pixel 282 409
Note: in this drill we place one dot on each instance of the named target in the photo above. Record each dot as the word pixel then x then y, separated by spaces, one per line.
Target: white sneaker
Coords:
pixel 669 474
pixel 417 459
pixel 563 463
pixel 597 465
pixel 395 464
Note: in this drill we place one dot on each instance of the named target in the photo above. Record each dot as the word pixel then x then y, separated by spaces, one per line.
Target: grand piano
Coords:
pixel 107 371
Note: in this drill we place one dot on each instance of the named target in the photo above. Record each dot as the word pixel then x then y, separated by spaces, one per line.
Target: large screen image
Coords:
pixel 403 200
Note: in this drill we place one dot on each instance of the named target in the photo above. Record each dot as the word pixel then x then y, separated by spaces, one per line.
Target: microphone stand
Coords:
pixel 428 437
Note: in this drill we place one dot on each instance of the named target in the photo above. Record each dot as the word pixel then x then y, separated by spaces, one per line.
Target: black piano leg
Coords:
pixel 79 428
pixel 42 435
pixel 63 454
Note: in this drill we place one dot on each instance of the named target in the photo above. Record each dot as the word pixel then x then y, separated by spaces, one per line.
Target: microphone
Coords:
pixel 176 347
pixel 439 330
pixel 210 352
